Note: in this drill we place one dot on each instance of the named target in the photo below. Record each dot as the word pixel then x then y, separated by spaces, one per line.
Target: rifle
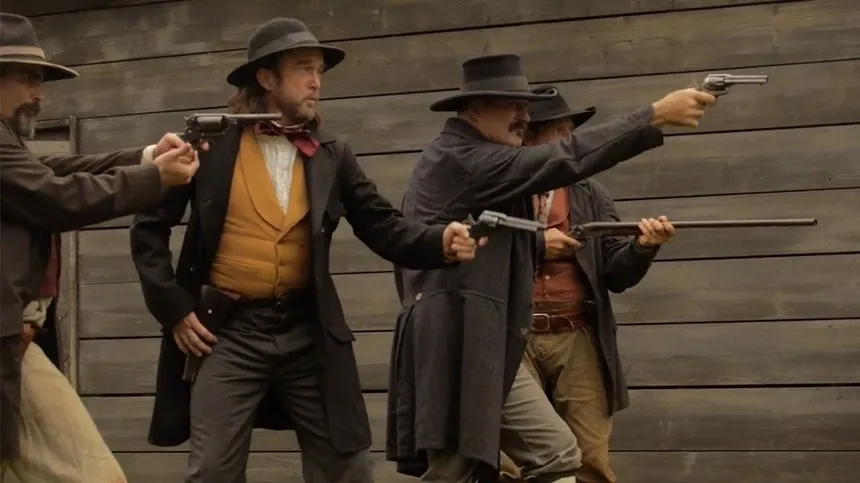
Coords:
pixel 211 127
pixel 489 221
pixel 719 84
pixel 599 229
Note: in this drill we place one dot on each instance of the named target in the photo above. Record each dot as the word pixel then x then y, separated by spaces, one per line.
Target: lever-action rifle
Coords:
pixel 598 229
pixel 719 84
pixel 211 127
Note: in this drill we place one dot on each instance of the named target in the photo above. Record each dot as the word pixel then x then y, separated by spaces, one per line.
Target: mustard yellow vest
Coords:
pixel 264 251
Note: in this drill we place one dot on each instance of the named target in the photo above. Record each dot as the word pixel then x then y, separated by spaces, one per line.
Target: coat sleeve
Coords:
pixel 498 173
pixel 34 196
pixel 625 263
pixel 408 243
pixel 93 163
pixel 150 250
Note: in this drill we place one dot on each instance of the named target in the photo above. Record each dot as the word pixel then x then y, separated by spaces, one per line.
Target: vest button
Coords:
pixel 418 297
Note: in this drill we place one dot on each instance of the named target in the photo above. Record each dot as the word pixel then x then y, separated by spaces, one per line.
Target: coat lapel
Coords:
pixel 320 175
pixel 213 186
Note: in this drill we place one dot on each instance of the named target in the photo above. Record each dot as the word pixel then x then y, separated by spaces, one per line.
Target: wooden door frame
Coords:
pixel 67 298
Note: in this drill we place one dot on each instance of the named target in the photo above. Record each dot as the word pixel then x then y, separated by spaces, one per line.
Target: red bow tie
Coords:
pixel 301 138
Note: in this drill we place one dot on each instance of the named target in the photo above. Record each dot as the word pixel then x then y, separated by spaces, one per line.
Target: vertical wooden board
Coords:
pixel 185 28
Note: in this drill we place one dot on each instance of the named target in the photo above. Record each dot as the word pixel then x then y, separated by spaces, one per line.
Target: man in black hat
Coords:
pixel 46 433
pixel 255 264
pixel 457 381
pixel 572 349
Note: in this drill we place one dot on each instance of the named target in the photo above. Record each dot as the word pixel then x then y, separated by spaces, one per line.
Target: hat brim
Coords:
pixel 579 117
pixel 52 72
pixel 245 73
pixel 454 102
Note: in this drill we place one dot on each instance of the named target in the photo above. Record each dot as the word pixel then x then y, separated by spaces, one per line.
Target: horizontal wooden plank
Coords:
pixel 778 288
pixel 59 16
pixel 734 354
pixel 183 30
pixel 104 254
pixel 622 46
pixel 784 419
pixel 404 122
pixel 759 161
pixel 632 467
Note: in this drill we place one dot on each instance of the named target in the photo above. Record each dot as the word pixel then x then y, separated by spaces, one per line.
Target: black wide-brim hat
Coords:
pixel 489 76
pixel 276 36
pixel 19 45
pixel 555 107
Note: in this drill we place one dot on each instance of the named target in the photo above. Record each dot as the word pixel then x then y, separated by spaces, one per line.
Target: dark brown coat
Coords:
pixel 40 196
pixel 337 187
pixel 610 264
pixel 461 333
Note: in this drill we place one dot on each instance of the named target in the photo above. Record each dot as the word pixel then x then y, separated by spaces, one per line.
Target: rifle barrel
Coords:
pixel 603 225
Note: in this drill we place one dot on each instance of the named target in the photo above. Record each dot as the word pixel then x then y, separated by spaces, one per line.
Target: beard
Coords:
pixel 296 112
pixel 24 119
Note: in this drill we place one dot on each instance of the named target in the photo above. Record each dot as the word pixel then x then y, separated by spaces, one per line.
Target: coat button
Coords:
pixel 418 297
pixel 524 331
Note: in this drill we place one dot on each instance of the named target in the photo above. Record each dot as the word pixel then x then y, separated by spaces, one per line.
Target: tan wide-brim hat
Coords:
pixel 19 45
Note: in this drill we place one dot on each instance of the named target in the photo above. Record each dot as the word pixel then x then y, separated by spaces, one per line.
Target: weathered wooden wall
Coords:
pixel 741 345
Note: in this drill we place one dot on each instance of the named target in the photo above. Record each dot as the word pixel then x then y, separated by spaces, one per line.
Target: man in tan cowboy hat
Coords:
pixel 458 382
pixel 47 434
pixel 252 290
pixel 572 349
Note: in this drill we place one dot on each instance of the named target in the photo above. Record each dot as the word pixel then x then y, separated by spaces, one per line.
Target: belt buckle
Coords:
pixel 544 317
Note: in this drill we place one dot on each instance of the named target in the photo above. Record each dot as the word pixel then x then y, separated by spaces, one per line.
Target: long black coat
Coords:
pixel 610 264
pixel 337 187
pixel 460 335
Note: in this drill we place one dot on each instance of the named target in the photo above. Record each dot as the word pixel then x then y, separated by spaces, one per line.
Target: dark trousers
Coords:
pixel 261 349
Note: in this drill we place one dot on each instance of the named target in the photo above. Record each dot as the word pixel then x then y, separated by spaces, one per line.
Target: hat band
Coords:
pixel 289 41
pixel 505 83
pixel 22 51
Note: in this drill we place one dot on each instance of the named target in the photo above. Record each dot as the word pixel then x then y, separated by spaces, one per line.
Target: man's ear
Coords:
pixel 266 78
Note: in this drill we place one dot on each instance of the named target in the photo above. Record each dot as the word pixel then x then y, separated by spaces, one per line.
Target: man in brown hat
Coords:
pixel 254 268
pixel 47 434
pixel 572 349
pixel 458 382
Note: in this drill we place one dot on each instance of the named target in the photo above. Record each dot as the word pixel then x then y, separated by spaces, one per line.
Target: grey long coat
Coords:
pixel 460 335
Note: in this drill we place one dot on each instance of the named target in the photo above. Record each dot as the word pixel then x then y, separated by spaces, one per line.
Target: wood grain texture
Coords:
pixel 688 355
pixel 632 467
pixel 404 122
pixel 57 17
pixel 750 419
pixel 760 161
pixel 183 30
pixel 805 287
pixel 104 254
pixel 616 47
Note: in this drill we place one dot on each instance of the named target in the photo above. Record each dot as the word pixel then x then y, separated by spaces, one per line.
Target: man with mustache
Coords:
pixel 457 379
pixel 47 434
pixel 254 267
pixel 572 350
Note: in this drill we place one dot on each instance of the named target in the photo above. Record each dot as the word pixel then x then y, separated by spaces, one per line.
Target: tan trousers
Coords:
pixel 59 440
pixel 533 436
pixel 567 366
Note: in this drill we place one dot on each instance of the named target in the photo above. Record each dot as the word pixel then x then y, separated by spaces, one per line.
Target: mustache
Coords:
pixel 29 109
pixel 518 126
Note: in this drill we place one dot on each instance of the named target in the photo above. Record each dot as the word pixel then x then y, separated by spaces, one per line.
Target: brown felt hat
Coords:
pixel 498 75
pixel 555 107
pixel 276 36
pixel 19 45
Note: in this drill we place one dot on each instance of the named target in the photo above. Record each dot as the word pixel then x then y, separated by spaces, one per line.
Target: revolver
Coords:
pixel 201 128
pixel 719 84
pixel 489 221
